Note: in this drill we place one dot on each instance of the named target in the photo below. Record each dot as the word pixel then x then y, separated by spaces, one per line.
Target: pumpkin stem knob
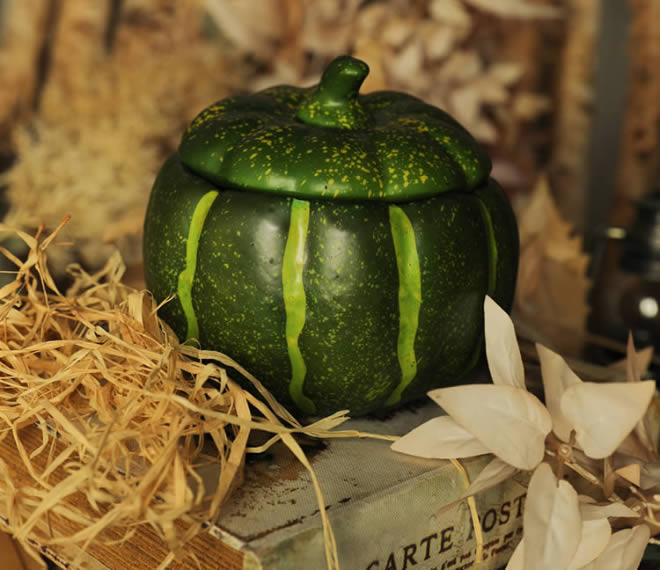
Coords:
pixel 334 101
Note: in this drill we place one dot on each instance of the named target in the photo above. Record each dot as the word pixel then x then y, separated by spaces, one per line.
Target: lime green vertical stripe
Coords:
pixel 186 277
pixel 492 249
pixel 410 297
pixel 295 302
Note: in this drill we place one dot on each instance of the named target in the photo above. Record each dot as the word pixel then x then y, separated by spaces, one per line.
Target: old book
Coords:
pixel 385 509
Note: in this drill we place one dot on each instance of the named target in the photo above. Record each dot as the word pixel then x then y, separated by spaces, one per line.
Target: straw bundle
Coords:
pixel 135 413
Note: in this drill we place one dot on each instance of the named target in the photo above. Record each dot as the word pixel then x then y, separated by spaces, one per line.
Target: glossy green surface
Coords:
pixel 342 303
pixel 350 340
pixel 384 146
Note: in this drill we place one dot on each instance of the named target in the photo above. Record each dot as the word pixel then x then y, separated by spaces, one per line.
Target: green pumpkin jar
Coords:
pixel 337 245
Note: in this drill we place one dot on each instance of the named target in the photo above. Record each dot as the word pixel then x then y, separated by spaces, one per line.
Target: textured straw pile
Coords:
pixel 134 412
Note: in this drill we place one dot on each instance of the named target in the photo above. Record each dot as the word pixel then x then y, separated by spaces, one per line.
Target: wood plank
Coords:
pixel 144 551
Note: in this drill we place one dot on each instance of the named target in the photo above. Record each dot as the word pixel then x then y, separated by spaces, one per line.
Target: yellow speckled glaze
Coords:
pixel 336 245
pixel 328 142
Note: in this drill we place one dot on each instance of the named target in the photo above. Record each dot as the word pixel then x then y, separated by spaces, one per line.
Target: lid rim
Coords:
pixel 404 151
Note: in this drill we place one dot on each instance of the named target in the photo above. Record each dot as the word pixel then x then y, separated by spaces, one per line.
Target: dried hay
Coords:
pixel 131 406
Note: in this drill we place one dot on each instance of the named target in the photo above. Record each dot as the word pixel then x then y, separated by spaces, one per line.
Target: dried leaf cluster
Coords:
pixel 427 48
pixel 550 303
pixel 135 413
pixel 107 115
pixel 599 431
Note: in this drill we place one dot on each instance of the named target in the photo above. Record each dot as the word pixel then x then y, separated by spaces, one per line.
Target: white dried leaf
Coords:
pixel 517 560
pixel 440 438
pixel 484 131
pixel 506 72
pixel 603 414
pixel 624 551
pixel 397 31
pixel 407 63
pixel 528 106
pixel 236 20
pixel 557 377
pixel 493 474
pixel 508 173
pixel 326 28
pixel 502 350
pixel 370 19
pixel 332 10
pixel 491 91
pixel 461 67
pixel 515 9
pixel 323 40
pixel 552 523
pixel 438 41
pixel 510 422
pixel 596 535
pixel 465 103
pixel 593 511
pixel 536 213
pixel 451 12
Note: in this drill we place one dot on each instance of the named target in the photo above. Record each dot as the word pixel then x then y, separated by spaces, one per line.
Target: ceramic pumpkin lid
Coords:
pixel 330 142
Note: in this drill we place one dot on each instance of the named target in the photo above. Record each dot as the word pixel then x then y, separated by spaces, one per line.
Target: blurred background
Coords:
pixel 565 94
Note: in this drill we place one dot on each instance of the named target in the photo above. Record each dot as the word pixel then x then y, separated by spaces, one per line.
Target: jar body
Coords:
pixel 334 304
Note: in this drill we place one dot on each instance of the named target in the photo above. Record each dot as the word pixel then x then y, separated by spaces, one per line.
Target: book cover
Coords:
pixel 386 508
